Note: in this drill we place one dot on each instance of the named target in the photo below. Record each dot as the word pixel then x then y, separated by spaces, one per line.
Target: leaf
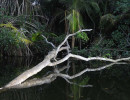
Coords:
pixel 16 33
pixel 26 41
pixel 83 36
pixel 9 25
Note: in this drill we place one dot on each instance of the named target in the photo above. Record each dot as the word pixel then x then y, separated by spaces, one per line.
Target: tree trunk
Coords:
pixel 73 42
pixel 21 78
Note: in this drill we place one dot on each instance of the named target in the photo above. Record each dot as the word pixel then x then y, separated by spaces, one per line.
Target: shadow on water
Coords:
pixel 109 84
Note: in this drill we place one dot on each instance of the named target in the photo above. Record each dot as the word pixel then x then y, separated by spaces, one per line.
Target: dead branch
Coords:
pixel 49 42
pixel 21 79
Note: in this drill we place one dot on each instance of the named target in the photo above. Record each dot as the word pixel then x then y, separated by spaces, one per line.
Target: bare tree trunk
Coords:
pixel 50 60
pixel 32 71
pixel 73 42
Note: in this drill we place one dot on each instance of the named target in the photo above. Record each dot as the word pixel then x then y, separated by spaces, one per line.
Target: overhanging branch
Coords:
pixel 83 30
pixel 48 62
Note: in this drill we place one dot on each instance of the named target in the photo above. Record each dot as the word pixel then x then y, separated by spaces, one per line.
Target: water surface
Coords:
pixel 110 84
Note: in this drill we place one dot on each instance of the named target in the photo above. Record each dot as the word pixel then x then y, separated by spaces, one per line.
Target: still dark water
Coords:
pixel 109 84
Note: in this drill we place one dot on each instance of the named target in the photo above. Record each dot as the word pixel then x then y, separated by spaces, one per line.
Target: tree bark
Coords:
pixel 73 42
pixel 50 60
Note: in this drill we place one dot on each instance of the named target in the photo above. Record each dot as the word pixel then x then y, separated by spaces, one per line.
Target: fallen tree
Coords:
pixel 51 60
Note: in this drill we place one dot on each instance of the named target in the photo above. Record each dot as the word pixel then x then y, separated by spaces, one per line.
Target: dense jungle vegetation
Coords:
pixel 24 23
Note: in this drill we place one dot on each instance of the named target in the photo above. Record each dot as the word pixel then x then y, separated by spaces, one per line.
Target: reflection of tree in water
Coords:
pixel 13 66
pixel 109 84
pixel 104 87
pixel 45 92
pixel 107 87
pixel 75 90
pixel 22 80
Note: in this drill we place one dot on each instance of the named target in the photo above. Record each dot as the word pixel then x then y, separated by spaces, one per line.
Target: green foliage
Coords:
pixel 107 55
pixel 57 40
pixel 13 41
pixel 75 22
pixel 121 6
pixel 115 45
pixel 7 39
pixel 9 25
pixel 4 18
pixel 107 22
pixel 36 36
pixel 82 52
pixel 18 34
pixel 61 16
pixel 95 7
pixel 83 36
pixel 92 9
pixel 77 90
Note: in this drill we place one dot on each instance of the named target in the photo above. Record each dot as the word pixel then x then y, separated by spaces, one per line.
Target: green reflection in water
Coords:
pixel 109 84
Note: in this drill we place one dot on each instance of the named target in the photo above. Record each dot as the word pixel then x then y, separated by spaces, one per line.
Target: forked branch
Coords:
pixel 49 62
